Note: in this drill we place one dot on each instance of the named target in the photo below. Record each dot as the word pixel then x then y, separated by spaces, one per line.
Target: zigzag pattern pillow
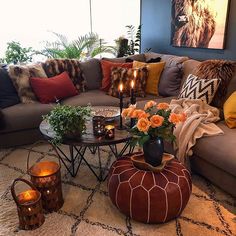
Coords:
pixel 197 88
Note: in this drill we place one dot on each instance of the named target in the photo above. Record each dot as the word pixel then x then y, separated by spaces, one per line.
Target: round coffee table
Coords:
pixel 146 196
pixel 88 142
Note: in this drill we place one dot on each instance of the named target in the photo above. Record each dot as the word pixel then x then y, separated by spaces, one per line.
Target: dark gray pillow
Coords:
pixel 170 81
pixel 92 73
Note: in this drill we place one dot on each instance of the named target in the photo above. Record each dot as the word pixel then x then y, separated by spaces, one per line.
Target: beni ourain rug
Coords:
pixel 87 209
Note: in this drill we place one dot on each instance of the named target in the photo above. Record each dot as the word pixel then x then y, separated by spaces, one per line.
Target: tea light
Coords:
pixel 98 125
pixel 109 131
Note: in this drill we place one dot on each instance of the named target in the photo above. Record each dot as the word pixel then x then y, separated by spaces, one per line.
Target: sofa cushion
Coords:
pixel 20 76
pixel 52 89
pixel 170 81
pixel 170 60
pixel 124 75
pixel 106 72
pixel 197 88
pixel 24 116
pixel 92 73
pixel 8 93
pixel 54 67
pixel 219 150
pixel 93 97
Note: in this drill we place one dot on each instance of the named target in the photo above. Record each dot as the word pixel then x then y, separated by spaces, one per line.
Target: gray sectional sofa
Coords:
pixel 213 158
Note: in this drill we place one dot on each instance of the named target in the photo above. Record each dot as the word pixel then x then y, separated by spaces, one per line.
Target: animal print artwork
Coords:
pixel 124 76
pixel 199 23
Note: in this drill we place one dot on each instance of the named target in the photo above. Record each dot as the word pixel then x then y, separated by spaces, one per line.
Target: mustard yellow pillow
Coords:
pixel 230 111
pixel 154 74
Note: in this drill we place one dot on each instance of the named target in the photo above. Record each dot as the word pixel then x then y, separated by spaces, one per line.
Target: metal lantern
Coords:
pixel 98 125
pixel 29 206
pixel 46 177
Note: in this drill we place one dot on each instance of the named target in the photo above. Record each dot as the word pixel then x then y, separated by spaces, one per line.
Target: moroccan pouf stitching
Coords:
pixel 146 196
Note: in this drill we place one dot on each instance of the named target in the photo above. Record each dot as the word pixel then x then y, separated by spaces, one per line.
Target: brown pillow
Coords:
pixel 220 69
pixel 124 75
pixel 55 67
pixel 20 76
pixel 170 81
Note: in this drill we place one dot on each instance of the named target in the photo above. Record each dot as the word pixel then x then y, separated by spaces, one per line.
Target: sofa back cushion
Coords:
pixel 92 73
pixel 8 93
pixel 52 89
pixel 20 76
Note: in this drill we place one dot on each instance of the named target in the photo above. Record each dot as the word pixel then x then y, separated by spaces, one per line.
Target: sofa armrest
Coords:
pixel 2 122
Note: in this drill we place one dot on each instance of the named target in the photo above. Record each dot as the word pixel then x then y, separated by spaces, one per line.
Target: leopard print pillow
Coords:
pixel 124 75
pixel 20 76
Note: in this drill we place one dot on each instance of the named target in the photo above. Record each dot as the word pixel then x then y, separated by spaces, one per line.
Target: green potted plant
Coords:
pixel 67 121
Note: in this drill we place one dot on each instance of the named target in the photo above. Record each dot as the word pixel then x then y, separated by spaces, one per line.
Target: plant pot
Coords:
pixel 153 151
pixel 73 135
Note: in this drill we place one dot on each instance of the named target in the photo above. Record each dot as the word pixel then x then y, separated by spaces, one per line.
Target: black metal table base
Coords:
pixel 77 154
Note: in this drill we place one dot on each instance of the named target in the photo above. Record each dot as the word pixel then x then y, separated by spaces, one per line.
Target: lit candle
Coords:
pixel 132 97
pixel 109 131
pixel 28 196
pixel 121 103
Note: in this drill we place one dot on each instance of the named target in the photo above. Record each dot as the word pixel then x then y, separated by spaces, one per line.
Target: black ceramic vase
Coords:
pixel 153 151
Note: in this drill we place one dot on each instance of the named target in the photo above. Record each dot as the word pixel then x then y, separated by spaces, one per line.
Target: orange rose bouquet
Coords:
pixel 155 120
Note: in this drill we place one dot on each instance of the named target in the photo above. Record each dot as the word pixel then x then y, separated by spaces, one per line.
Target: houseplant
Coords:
pixel 154 124
pixel 67 121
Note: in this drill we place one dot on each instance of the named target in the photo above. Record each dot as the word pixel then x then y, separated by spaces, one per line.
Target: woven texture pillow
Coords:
pixel 54 67
pixel 196 88
pixel 124 76
pixel 20 76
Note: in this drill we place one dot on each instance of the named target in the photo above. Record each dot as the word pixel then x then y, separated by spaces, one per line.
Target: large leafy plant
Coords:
pixel 155 120
pixel 67 121
pixel 87 46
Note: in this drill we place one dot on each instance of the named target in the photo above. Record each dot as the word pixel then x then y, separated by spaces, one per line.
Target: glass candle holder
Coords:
pixel 98 125
pixel 109 131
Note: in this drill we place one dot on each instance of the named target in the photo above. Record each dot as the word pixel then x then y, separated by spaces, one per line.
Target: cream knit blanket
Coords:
pixel 200 122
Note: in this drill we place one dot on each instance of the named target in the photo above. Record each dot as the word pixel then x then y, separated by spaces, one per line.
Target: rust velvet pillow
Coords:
pixel 106 71
pixel 52 89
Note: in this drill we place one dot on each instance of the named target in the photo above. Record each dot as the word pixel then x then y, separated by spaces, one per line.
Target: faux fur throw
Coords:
pixel 54 67
pixel 200 122
pixel 221 69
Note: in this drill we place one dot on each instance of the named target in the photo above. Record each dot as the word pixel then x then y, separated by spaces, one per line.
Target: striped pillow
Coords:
pixel 197 88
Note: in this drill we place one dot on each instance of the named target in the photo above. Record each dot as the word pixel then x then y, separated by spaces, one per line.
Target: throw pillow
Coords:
pixel 52 89
pixel 124 75
pixel 106 71
pixel 230 111
pixel 196 88
pixel 20 76
pixel 8 93
pixel 154 73
pixel 170 81
pixel 221 69
pixel 54 67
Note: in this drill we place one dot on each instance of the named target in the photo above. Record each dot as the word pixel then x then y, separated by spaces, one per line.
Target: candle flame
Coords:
pixel 29 209
pixel 109 127
pixel 121 87
pixel 135 74
pixel 132 84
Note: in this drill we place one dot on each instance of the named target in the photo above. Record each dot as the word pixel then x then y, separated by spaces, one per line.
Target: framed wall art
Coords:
pixel 199 23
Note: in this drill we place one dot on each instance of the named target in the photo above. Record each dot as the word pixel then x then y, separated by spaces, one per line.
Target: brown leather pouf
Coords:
pixel 147 196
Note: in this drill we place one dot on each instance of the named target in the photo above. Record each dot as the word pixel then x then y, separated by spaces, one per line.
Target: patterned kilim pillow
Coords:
pixel 197 88
pixel 124 76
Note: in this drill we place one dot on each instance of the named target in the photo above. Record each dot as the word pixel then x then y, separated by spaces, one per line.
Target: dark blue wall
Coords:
pixel 156 28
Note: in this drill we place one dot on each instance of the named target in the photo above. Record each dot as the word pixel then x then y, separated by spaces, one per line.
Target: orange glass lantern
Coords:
pixel 29 206
pixel 46 177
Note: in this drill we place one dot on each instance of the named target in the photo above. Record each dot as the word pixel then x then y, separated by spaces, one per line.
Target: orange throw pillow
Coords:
pixel 106 71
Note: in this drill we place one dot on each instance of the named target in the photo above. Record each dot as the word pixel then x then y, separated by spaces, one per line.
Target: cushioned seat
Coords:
pixel 24 116
pixel 219 150
pixel 94 97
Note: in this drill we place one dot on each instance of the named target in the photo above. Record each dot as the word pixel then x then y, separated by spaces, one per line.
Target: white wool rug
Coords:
pixel 87 209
